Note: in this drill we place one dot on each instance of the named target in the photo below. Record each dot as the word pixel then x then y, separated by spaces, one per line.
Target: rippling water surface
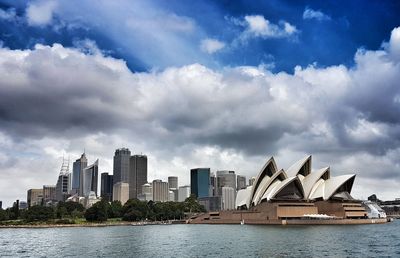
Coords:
pixel 204 240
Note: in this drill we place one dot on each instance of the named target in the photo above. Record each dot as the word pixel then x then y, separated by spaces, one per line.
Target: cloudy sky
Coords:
pixel 200 84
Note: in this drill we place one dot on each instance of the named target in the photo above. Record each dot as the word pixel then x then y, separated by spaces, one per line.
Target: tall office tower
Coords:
pixel 34 197
pixel 121 165
pixel 225 178
pixel 173 182
pixel 1 205
pixel 213 185
pixel 90 179
pixel 200 182
pixel 121 192
pixel 183 193
pixel 160 191
pixel 228 198
pixel 49 193
pixel 106 187
pixel 251 180
pixel 77 169
pixel 62 186
pixel 137 174
pixel 241 182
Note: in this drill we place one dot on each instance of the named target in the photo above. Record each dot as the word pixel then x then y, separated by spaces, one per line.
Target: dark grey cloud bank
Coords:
pixel 55 100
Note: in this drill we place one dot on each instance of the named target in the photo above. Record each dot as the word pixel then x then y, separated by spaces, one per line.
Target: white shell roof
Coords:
pixel 309 181
pixel 313 185
pixel 295 168
pixel 243 196
pixel 283 184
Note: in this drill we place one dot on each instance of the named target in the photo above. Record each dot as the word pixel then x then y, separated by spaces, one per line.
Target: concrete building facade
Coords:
pixel 121 192
pixel 34 197
pixel 160 191
pixel 183 193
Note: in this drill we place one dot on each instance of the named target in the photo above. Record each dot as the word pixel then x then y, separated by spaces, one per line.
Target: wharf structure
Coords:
pixel 294 196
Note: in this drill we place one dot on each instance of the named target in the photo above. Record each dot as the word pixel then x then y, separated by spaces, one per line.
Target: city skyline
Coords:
pixel 205 84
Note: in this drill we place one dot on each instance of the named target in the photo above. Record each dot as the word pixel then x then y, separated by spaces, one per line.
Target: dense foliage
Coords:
pixel 39 213
pixel 132 210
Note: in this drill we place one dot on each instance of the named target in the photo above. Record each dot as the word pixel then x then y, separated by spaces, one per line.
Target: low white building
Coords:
pixel 228 198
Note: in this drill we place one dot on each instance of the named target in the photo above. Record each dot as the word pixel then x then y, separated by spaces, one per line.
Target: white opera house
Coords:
pixel 297 195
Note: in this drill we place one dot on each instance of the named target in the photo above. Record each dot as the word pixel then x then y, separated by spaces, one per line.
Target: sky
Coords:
pixel 219 84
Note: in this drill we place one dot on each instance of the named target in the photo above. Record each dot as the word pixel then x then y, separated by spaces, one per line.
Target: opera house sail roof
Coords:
pixel 296 183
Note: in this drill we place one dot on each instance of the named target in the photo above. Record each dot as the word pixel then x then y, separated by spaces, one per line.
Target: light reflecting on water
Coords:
pixel 204 240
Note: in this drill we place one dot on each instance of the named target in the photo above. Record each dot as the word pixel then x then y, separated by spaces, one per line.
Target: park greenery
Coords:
pixel 102 211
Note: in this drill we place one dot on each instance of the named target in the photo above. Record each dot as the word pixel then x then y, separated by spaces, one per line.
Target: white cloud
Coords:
pixel 211 46
pixel 309 14
pixel 8 15
pixel 55 99
pixel 394 43
pixel 40 13
pixel 258 26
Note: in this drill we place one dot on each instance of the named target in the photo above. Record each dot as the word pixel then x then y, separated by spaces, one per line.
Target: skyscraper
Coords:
pixel 121 165
pixel 77 169
pixel 225 178
pixel 106 188
pixel 160 191
pixel 173 182
pixel 200 182
pixel 137 174
pixel 90 179
pixel 34 197
pixel 62 186
pixel 49 193
pixel 241 182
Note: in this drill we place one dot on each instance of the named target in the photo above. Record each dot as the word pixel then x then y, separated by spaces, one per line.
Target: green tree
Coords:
pixel 3 215
pixel 134 210
pixel 39 213
pixel 98 212
pixel 191 205
pixel 115 209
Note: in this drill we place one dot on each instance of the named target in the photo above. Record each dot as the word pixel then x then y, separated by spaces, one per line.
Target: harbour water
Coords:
pixel 204 241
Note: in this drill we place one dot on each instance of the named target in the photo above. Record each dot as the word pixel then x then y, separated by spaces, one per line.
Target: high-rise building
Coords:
pixel 1 205
pixel 173 182
pixel 77 170
pixel 121 165
pixel 225 178
pixel 241 182
pixel 49 193
pixel 251 180
pixel 90 179
pixel 228 198
pixel 34 197
pixel 183 193
pixel 160 191
pixel 137 174
pixel 213 185
pixel 200 182
pixel 62 187
pixel 106 187
pixel 121 192
pixel 63 182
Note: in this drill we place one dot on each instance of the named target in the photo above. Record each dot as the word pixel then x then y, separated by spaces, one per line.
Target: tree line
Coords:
pixel 132 210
